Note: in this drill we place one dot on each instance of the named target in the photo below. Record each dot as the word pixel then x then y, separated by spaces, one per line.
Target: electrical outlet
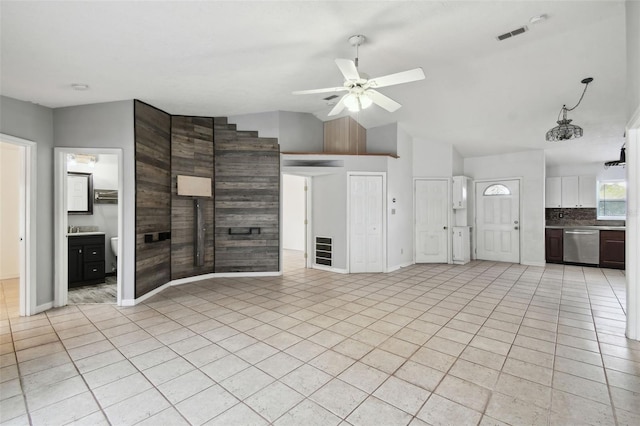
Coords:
pixel 560 215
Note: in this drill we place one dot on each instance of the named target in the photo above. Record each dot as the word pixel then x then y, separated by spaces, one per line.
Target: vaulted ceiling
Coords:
pixel 226 58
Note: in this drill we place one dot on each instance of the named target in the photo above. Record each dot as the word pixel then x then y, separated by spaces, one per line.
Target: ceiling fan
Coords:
pixel 361 88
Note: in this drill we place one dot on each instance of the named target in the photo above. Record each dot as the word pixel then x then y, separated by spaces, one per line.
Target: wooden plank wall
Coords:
pixel 247 195
pixel 191 155
pixel 153 196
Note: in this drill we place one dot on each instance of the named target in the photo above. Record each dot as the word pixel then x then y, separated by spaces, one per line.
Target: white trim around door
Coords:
pixel 28 220
pixel 61 219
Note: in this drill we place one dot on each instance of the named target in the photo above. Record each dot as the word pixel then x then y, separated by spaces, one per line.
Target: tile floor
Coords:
pixel 486 343
pixel 97 293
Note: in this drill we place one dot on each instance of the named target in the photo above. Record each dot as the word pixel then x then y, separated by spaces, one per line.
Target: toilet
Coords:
pixel 114 246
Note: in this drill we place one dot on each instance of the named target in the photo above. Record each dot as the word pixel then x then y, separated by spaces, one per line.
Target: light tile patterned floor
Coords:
pixel 485 343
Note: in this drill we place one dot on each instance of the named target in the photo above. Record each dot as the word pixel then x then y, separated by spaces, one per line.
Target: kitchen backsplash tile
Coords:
pixel 572 217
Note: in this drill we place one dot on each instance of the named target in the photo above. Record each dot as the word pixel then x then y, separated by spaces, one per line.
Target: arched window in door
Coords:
pixel 496 189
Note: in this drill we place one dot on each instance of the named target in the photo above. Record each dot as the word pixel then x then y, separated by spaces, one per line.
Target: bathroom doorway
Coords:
pixel 17 229
pixel 88 205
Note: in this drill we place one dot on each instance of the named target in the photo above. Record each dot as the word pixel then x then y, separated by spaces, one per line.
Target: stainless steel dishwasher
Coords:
pixel 581 246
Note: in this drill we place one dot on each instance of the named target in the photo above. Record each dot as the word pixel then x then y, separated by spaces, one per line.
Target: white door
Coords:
pixel 432 220
pixel 498 220
pixel 365 224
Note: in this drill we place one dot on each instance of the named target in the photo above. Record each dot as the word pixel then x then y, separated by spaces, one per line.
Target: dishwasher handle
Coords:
pixel 581 232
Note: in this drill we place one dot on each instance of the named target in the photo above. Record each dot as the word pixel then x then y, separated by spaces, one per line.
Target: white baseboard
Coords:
pixel 10 277
pixel 542 264
pixel 329 269
pixel 42 308
pixel 402 265
pixel 133 302
pixel 225 275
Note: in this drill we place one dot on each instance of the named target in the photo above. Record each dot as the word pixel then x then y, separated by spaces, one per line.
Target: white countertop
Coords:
pixel 82 234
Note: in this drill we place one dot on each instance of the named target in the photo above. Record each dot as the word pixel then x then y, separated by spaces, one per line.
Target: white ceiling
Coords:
pixel 227 58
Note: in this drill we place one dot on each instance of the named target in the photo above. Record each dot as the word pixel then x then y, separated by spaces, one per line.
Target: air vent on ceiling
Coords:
pixel 328 98
pixel 513 33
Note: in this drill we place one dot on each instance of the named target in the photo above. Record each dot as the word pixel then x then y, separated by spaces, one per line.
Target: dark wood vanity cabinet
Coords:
pixel 553 245
pixel 86 260
pixel 612 249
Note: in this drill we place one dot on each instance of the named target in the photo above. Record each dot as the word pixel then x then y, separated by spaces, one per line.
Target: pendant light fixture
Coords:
pixel 565 130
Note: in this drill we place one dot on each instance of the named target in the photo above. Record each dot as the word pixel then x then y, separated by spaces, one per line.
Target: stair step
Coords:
pixel 247 134
pixel 220 120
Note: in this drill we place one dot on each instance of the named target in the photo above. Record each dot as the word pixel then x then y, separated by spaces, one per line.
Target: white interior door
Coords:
pixel 365 224
pixel 432 220
pixel 498 220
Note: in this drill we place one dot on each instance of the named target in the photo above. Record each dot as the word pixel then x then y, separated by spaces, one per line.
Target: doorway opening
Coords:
pixel 88 226
pixel 17 229
pixel 295 222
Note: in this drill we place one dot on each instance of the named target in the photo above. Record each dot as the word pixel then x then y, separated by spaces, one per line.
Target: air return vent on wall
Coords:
pixel 323 251
pixel 513 33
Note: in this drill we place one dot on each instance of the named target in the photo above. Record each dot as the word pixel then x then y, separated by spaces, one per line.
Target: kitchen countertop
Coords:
pixel 600 228
pixel 82 234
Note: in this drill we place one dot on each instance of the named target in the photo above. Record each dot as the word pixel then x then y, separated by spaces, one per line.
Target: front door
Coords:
pixel 365 224
pixel 498 220
pixel 432 220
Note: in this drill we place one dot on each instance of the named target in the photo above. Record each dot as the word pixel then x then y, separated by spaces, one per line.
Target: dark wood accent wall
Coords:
pixel 247 200
pixel 153 196
pixel 191 155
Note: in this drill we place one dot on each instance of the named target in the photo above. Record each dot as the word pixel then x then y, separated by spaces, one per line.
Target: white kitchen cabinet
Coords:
pixel 553 192
pixel 587 195
pixel 579 191
pixel 461 245
pixel 460 192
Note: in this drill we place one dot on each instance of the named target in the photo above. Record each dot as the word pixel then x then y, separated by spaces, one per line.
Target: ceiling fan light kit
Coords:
pixel 565 130
pixel 361 88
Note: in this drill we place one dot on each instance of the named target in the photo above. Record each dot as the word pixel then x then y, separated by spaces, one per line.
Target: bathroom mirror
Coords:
pixel 79 193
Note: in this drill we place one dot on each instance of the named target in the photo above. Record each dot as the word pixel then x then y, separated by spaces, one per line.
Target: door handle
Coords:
pixel 516 227
pixel 444 227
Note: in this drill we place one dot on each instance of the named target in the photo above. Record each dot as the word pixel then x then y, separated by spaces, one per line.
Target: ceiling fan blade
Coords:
pixel 325 90
pixel 382 100
pixel 348 69
pixel 397 78
pixel 339 106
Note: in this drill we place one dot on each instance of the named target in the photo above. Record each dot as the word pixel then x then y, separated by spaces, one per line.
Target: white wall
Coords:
pixel 293 208
pixel 400 188
pixel 35 123
pixel 530 166
pixel 105 216
pixel 432 159
pixel 9 211
pixel 267 124
pixel 107 125
pixel 300 132
pixel 597 169
pixel 633 56
pixel 329 193
pixel 383 139
pixel 457 163
pixel 296 131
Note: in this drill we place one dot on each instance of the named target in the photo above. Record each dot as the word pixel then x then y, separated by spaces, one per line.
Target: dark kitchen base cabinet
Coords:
pixel 86 260
pixel 553 245
pixel 612 249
